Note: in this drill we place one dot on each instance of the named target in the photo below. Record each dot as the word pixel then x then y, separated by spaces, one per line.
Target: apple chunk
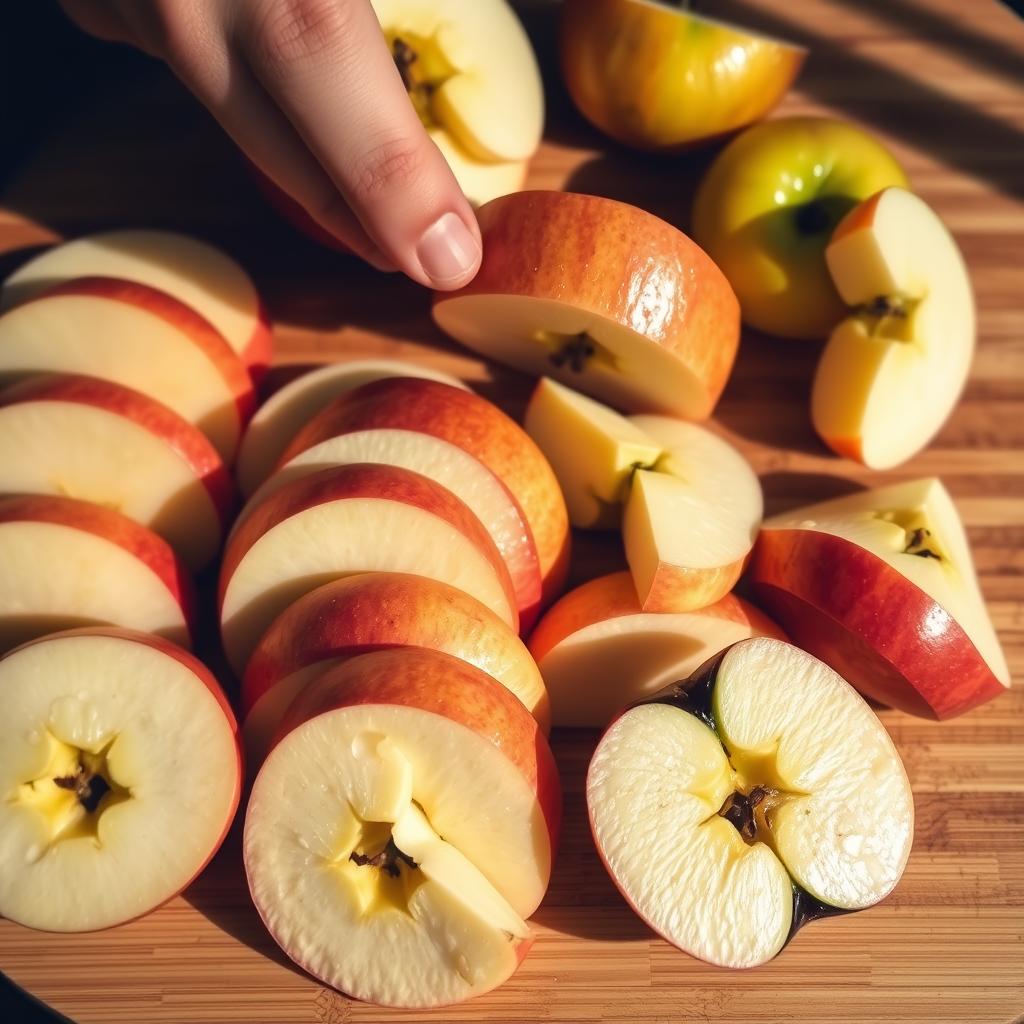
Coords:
pixel 104 818
pixel 893 370
pixel 760 793
pixel 881 585
pixel 403 828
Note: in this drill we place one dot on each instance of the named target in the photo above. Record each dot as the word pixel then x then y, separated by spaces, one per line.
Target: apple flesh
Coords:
pixel 193 272
pixel 402 829
pixel 893 370
pixel 362 613
pixel 758 794
pixel 602 296
pixel 881 585
pixel 104 818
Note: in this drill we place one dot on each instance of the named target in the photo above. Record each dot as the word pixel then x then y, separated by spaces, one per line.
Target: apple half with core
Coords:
pixel 70 563
pixel 104 816
pixel 403 828
pixel 366 612
pixel 601 295
pixel 767 207
pixel 736 806
pixel 598 650
pixel 893 370
pixel 660 77
pixel 193 272
pixel 881 585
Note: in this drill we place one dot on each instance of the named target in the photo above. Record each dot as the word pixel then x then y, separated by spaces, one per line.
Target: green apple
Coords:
pixel 767 208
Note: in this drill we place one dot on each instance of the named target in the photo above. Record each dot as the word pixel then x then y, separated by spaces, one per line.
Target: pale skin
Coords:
pixel 309 91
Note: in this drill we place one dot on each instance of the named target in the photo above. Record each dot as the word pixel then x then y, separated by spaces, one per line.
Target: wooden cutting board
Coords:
pixel 940 82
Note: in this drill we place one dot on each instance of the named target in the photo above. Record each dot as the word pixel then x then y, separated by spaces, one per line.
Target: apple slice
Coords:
pixel 478 428
pixel 604 297
pixel 70 563
pixel 598 650
pixel 87 438
pixel 689 526
pixel 881 585
pixel 288 410
pixel 893 370
pixel 480 181
pixel 403 828
pixel 362 613
pixel 195 273
pixel 759 794
pixel 104 817
pixel 350 519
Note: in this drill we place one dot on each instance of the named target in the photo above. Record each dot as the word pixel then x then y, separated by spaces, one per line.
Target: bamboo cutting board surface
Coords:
pixel 940 82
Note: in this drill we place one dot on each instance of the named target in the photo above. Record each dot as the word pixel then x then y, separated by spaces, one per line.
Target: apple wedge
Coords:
pixel 288 409
pixel 195 273
pixel 604 297
pixel 69 563
pixel 881 585
pixel 349 519
pixel 739 804
pixel 362 613
pixel 104 818
pixel 480 181
pixel 402 829
pixel 598 650
pixel 469 424
pixel 893 370
pixel 87 438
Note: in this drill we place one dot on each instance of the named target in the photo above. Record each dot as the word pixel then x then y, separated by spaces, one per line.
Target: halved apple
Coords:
pixel 82 437
pixel 198 275
pixel 288 409
pixel 881 585
pixel 366 612
pixel 121 770
pixel 349 519
pixel 403 828
pixel 757 795
pixel 893 370
pixel 598 650
pixel 602 296
pixel 473 426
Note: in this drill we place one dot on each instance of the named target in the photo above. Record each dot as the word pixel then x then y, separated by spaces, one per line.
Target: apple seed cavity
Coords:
pixel 389 859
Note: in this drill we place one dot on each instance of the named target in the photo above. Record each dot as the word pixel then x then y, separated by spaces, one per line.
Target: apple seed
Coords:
pixel 389 859
pixel 88 786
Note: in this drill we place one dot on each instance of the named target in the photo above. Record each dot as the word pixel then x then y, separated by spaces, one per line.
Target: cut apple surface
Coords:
pixel 69 563
pixel 82 437
pixel 598 650
pixel 480 181
pixel 477 428
pixel 893 370
pixel 197 274
pixel 362 613
pixel 604 297
pixel 757 795
pixel 345 520
pixel 121 770
pixel 881 585
pixel 403 828
pixel 287 411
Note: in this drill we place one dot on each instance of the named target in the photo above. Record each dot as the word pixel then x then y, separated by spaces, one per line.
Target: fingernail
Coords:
pixel 448 251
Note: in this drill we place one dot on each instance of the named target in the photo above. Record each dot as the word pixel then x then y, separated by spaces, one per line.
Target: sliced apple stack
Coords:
pixel 734 807
pixel 121 771
pixel 881 585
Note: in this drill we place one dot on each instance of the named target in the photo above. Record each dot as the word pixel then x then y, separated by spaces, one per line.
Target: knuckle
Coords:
pixel 393 165
pixel 292 31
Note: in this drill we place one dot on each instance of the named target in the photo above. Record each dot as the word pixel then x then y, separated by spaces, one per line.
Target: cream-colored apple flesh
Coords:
pixel 690 523
pixel 706 831
pixel 480 181
pixel 893 370
pixel 119 765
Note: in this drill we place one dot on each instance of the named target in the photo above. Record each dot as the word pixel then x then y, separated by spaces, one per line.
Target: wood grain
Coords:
pixel 940 82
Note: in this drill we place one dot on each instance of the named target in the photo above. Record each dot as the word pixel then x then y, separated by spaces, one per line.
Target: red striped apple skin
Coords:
pixel 862 617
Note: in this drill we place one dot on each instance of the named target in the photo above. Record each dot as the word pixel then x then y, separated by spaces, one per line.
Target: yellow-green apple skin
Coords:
pixel 767 207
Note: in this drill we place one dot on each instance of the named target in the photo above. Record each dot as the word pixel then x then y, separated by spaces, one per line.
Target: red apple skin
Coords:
pixel 258 352
pixel 187 440
pixel 481 429
pixel 862 617
pixel 143 543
